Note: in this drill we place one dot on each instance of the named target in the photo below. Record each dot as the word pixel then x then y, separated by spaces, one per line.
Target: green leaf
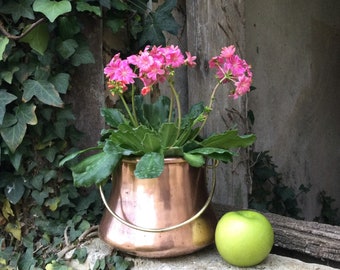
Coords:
pixel 194 160
pixel 18 9
pixel 52 9
pixel 5 98
pixel 157 113
pixel 25 113
pixel 3 43
pixel 214 153
pixel 164 19
pixel 95 169
pixel 67 48
pixel 13 135
pixel 7 74
pixel 82 6
pixel 168 134
pixel 82 56
pixel 229 139
pixel 151 142
pixel 61 82
pixel 15 190
pixel 38 38
pixel 43 90
pixel 150 165
pixel 115 24
pixel 113 117
pixel 68 27
pixel 80 254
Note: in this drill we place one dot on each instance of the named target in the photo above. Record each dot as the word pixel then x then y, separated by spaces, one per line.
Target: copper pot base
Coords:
pixel 176 196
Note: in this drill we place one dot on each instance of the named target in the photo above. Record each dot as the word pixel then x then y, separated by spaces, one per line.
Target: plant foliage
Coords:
pixel 41 44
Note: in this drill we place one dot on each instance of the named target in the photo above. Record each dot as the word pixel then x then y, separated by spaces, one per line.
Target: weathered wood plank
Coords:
pixel 212 25
pixel 308 237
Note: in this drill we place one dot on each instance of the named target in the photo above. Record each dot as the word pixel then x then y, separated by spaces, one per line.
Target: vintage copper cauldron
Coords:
pixel 160 217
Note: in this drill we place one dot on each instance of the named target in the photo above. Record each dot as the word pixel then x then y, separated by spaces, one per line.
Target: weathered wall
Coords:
pixel 294 48
pixel 212 25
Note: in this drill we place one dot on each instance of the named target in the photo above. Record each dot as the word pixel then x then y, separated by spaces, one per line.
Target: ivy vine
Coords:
pixel 41 45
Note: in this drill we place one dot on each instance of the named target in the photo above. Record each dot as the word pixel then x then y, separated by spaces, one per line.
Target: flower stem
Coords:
pixel 178 105
pixel 133 120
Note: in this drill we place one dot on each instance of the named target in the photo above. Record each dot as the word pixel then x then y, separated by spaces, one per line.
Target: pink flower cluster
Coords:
pixel 230 67
pixel 153 65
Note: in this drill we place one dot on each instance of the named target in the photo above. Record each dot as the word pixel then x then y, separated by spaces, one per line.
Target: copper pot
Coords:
pixel 159 217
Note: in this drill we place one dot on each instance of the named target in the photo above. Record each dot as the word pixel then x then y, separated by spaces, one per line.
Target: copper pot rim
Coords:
pixel 167 160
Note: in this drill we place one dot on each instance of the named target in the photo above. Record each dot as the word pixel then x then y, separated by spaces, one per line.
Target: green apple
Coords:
pixel 244 238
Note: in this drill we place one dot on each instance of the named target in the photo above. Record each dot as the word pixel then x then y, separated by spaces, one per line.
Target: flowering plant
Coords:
pixel 153 131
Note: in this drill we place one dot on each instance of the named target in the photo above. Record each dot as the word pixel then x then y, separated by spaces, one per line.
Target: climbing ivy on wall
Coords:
pixel 41 45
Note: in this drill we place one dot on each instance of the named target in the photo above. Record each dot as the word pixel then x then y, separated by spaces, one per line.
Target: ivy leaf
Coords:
pixel 115 24
pixel 52 9
pixel 38 38
pixel 26 113
pixel 82 6
pixel 61 82
pixel 13 135
pixel 5 98
pixel 67 48
pixel 15 190
pixel 3 43
pixel 68 27
pixel 18 10
pixel 43 90
pixel 164 19
pixel 82 56
pixel 7 74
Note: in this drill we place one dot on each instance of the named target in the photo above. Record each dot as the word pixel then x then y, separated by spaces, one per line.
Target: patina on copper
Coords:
pixel 157 204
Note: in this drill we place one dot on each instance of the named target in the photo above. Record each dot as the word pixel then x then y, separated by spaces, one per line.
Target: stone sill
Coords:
pixel 207 259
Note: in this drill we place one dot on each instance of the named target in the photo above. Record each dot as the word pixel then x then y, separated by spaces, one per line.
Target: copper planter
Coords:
pixel 160 217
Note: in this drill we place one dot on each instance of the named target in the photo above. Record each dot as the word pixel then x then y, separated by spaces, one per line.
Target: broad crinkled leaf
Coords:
pixel 3 43
pixel 113 117
pixel 150 165
pixel 157 113
pixel 194 160
pixel 168 134
pixel 95 169
pixel 52 9
pixel 44 91
pixel 229 139
pixel 151 143
pixel 38 38
pixel 5 98
pixel 214 153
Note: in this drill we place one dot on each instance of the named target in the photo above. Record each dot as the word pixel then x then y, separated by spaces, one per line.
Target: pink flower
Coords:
pixel 227 52
pixel 174 57
pixel 190 61
pixel 124 73
pixel 242 86
pixel 236 65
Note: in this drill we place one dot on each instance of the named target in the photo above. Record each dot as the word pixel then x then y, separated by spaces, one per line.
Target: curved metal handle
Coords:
pixel 136 227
